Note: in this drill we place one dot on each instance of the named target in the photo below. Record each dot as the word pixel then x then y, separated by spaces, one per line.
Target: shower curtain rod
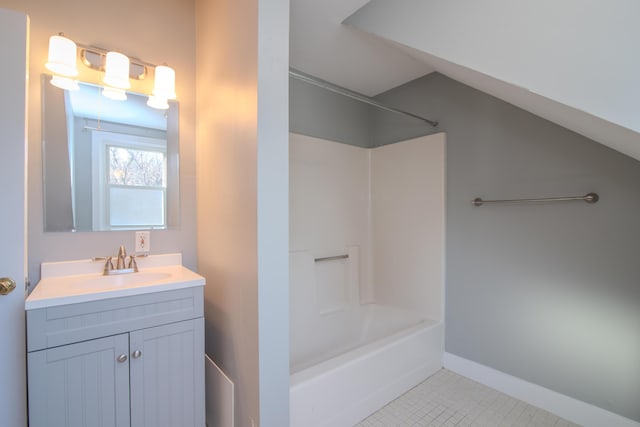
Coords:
pixel 354 95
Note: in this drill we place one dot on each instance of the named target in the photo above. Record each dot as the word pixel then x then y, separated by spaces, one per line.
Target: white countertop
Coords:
pixel 79 281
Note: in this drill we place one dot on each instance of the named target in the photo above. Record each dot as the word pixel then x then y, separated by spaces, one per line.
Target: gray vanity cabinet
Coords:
pixel 125 362
pixel 163 378
pixel 80 384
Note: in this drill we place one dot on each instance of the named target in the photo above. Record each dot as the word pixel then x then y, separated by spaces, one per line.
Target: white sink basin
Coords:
pixel 140 278
pixel 81 281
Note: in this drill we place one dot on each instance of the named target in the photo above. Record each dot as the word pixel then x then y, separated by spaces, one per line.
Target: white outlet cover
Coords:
pixel 143 241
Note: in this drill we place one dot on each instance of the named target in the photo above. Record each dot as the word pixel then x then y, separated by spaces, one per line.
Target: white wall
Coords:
pixel 242 186
pixel 157 31
pixel 273 211
pixel 408 196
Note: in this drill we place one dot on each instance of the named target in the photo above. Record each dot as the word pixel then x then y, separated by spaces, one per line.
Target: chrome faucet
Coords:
pixel 122 256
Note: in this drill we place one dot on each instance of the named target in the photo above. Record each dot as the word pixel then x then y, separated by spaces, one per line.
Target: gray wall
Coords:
pixel 320 113
pixel 57 180
pixel 547 293
pixel 317 112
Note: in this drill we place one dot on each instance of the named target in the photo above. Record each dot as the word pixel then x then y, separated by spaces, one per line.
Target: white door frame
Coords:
pixel 14 37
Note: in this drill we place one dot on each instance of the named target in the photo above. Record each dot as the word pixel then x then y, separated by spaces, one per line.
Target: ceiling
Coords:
pixel 321 46
pixel 388 43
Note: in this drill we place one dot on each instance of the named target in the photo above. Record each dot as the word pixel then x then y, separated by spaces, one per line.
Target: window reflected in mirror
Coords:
pixel 108 165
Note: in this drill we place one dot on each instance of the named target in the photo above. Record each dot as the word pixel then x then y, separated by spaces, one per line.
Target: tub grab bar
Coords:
pixel 331 258
pixel 589 198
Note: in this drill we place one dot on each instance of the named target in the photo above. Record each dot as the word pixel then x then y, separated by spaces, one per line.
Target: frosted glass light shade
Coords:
pixel 64 83
pixel 114 93
pixel 117 70
pixel 157 102
pixel 164 85
pixel 62 56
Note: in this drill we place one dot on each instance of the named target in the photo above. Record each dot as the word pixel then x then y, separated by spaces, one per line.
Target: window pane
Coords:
pixel 136 206
pixel 136 167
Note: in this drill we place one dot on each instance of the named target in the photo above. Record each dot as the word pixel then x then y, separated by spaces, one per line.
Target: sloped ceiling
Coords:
pixel 574 63
pixel 322 46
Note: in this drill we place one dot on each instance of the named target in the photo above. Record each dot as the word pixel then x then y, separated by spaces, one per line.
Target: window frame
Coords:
pixel 101 141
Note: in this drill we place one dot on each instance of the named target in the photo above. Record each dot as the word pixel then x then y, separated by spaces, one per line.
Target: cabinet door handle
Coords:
pixel 136 354
pixel 122 358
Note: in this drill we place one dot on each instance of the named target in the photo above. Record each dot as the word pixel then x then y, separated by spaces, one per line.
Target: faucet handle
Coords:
pixel 108 265
pixel 133 263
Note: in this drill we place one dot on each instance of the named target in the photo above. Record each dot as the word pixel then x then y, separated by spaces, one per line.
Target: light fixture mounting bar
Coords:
pixel 95 58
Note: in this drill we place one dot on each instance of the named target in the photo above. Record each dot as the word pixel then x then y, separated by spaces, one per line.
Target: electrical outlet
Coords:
pixel 143 241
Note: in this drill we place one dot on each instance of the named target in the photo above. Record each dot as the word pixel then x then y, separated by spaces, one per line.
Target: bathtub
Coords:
pixel 380 352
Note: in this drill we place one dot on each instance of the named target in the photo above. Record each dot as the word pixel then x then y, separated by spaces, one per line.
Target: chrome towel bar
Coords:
pixel 331 258
pixel 589 198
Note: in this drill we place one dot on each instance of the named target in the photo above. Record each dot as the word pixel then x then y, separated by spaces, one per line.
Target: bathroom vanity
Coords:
pixel 120 350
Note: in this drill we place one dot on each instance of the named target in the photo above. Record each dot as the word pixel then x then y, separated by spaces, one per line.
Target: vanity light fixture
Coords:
pixel 158 103
pixel 114 93
pixel 164 87
pixel 62 62
pixel 62 56
pixel 165 83
pixel 65 83
pixel 118 70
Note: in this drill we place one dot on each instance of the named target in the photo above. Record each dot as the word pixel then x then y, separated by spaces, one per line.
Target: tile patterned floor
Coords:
pixel 447 399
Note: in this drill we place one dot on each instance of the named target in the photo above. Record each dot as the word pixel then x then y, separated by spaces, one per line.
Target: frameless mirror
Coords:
pixel 107 164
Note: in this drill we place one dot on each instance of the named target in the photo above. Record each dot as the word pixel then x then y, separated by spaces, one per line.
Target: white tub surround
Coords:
pixel 366 275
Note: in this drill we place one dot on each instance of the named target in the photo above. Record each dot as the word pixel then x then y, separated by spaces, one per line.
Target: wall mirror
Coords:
pixel 108 165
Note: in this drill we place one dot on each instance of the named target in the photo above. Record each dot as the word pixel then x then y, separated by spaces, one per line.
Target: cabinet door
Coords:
pixel 80 385
pixel 167 375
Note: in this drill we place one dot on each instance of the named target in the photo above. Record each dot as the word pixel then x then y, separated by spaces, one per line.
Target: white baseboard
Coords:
pixel 571 409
